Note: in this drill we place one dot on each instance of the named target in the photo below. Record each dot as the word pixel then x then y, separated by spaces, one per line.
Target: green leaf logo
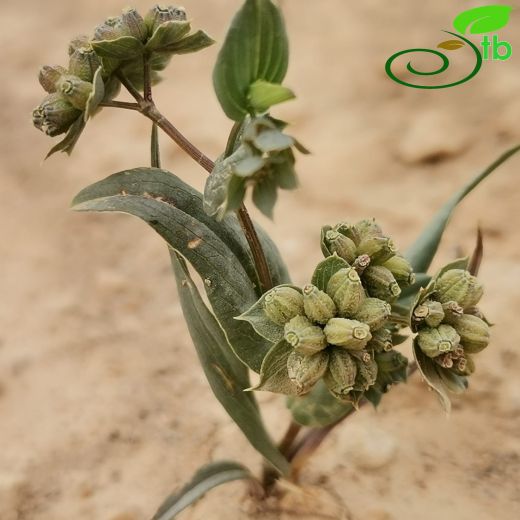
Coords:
pixel 485 19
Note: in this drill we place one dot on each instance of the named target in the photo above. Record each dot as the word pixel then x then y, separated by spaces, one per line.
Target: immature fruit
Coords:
pixel 110 29
pixel 374 312
pixel 466 368
pixel 305 371
pixel 340 376
pixel 318 305
pixel 55 115
pixel 429 312
pixel 281 304
pixel 452 311
pixel 305 337
pixel 437 341
pixel 401 269
pixel 160 14
pixel 75 91
pixel 473 332
pixel 366 373
pixel 349 231
pixel 346 291
pixel 368 228
pixel 338 243
pixel 49 77
pixel 380 283
pixel 379 249
pixel 78 42
pixel 83 63
pixel 132 24
pixel 460 286
pixel 349 334
pixel 381 340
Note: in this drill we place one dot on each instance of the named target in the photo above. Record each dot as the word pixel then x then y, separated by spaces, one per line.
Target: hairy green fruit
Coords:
pixel 318 305
pixel 374 312
pixel 460 286
pixel 368 228
pixel 340 244
pixel 340 376
pixel 437 341
pixel 281 304
pixel 380 283
pixel 473 332
pixel 305 371
pixel 346 291
pixel 306 338
pixel 349 334
pixel 83 63
pixel 429 312
pixel 55 115
pixel 401 269
pixel 381 340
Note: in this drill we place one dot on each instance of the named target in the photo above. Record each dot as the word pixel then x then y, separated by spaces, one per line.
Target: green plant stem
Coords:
pixel 121 104
pixel 147 107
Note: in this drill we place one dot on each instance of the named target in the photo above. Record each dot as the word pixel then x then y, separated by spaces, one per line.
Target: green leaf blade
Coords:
pixel 255 48
pixel 205 479
pixel 227 380
pixel 422 251
pixel 218 251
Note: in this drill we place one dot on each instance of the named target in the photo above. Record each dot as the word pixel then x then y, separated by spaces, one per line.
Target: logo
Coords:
pixel 480 20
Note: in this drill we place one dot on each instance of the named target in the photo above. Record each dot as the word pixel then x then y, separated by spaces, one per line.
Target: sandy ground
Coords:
pixel 103 407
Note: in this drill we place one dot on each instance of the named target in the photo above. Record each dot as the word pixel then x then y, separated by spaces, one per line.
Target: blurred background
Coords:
pixel 103 406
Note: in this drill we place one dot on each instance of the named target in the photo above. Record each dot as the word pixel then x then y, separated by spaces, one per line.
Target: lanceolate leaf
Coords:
pixel 421 253
pixel 218 251
pixel 485 19
pixel 227 380
pixel 255 48
pixel 68 143
pixel 206 478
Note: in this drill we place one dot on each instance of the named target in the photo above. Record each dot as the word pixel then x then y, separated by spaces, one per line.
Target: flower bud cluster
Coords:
pixel 118 47
pixel 337 334
pixel 264 160
pixel 383 271
pixel 449 325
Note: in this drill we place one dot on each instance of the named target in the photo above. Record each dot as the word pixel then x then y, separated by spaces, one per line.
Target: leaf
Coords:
pixel 485 19
pixel 451 45
pixel 273 374
pixel 218 251
pixel 168 33
pixel 478 253
pixel 68 143
pixel 227 378
pixel 421 253
pixel 319 408
pixel 123 48
pixel 259 320
pixel 430 375
pixel 326 269
pixel 96 96
pixel 205 479
pixel 263 95
pixel 255 48
pixel 265 195
pixel 192 43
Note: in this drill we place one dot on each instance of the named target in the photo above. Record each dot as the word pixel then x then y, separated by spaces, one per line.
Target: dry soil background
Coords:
pixel 103 407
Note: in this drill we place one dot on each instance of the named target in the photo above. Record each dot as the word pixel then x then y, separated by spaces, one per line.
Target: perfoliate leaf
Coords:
pixel 485 19
pixel 263 95
pixel 255 48
pixel 325 269
pixel 192 43
pixel 451 45
pixel 274 376
pixel 123 48
pixel 206 478
pixel 259 320
pixel 227 377
pixel 71 138
pixel 421 253
pixel 218 251
pixel 319 408
pixel 168 33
